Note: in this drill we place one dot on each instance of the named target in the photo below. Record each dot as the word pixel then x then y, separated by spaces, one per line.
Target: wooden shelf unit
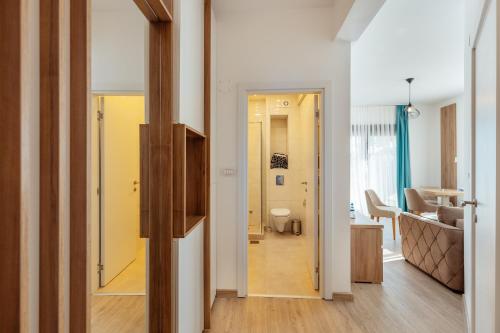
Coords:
pixel 189 183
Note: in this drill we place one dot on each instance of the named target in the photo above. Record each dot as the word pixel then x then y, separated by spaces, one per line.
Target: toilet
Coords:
pixel 280 217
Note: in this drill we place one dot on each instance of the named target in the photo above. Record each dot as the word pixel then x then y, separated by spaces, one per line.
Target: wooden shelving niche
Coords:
pixel 189 179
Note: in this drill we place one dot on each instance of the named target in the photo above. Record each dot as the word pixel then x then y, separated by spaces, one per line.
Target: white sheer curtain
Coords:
pixel 373 154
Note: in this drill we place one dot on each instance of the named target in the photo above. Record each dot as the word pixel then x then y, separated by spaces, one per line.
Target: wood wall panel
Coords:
pixel 145 184
pixel 49 165
pixel 161 201
pixel 10 166
pixel 449 147
pixel 79 111
pixel 156 10
pixel 207 299
pixel 146 10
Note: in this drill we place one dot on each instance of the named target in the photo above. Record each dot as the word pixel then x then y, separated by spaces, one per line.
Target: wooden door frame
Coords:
pixel 160 306
pixel 11 91
pixel 52 98
pixel 207 112
pixel 159 14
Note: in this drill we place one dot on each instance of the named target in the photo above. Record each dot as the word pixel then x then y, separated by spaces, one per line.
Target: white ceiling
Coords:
pixel 423 39
pixel 245 5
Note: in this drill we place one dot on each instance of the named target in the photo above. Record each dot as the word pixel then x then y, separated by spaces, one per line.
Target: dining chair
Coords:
pixel 429 198
pixel 416 203
pixel 378 209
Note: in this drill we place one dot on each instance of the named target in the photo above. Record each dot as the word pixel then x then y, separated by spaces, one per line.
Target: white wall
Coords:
pixel 191 63
pixel 117 50
pixel 189 106
pixel 284 139
pixel 425 145
pixel 213 161
pixel 293 53
pixel 190 282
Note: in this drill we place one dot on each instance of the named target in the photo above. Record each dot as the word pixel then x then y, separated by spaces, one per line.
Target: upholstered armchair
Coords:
pixel 378 209
pixel 416 204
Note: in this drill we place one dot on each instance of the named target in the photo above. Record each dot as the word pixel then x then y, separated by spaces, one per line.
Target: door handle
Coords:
pixel 472 203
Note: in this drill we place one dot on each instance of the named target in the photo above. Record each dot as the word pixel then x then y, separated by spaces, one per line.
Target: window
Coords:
pixel 373 154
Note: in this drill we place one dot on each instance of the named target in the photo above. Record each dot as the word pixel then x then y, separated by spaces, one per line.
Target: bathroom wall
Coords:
pixel 256 152
pixel 285 137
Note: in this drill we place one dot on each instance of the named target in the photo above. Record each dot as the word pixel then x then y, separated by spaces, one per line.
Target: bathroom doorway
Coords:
pixel 283 194
pixel 118 269
pixel 118 251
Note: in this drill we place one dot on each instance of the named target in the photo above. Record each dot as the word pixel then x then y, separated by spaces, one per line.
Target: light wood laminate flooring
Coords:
pixel 407 301
pixel 113 314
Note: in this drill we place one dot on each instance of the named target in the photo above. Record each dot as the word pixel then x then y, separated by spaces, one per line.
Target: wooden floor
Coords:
pixel 124 314
pixel 407 301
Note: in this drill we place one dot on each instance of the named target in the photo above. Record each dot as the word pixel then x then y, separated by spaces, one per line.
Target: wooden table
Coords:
pixel 443 195
pixel 366 250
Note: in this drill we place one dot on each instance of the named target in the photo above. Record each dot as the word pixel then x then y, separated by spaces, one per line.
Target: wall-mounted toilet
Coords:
pixel 280 217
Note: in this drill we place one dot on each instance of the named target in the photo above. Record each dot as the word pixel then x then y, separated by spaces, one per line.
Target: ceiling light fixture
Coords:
pixel 412 111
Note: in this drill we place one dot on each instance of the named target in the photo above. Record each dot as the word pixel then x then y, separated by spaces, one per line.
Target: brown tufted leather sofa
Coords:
pixel 435 248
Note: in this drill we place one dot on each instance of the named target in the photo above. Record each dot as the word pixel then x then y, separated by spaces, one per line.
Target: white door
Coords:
pixel 120 242
pixel 310 121
pixel 484 175
pixel 255 178
pixel 317 192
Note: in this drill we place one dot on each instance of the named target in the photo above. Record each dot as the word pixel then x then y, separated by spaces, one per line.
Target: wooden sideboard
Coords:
pixel 366 251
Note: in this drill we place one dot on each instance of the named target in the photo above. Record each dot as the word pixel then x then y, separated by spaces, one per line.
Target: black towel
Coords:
pixel 279 161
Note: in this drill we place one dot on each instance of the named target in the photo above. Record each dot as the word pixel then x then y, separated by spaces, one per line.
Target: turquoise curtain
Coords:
pixel 403 155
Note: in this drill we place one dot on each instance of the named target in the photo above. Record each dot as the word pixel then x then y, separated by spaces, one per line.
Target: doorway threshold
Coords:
pixel 284 296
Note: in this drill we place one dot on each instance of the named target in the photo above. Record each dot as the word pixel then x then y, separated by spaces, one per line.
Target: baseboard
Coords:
pixel 226 293
pixel 343 297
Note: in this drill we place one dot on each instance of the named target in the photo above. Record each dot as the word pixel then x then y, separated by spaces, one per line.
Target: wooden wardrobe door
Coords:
pixel 449 147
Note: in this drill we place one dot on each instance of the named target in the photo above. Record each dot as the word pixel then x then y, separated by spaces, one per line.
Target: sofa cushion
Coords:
pixel 450 215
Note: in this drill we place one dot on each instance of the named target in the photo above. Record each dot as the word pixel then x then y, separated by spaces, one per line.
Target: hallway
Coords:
pixel 408 301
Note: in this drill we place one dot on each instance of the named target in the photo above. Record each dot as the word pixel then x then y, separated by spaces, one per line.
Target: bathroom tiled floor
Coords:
pixel 278 266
